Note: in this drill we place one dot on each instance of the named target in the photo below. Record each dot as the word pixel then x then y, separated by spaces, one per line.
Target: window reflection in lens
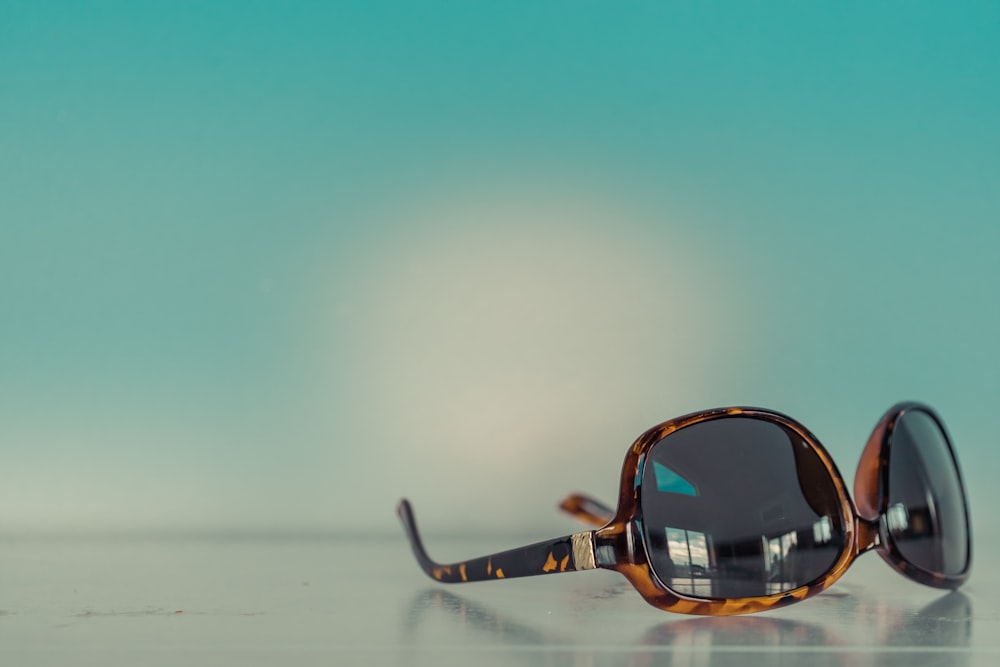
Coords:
pixel 926 513
pixel 739 507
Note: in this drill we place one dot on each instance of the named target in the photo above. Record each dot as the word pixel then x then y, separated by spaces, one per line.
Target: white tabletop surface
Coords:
pixel 343 601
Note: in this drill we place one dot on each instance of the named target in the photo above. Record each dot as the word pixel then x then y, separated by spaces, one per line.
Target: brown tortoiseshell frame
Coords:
pixel 619 545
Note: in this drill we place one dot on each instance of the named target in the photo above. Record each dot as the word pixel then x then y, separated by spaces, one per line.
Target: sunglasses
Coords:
pixel 739 510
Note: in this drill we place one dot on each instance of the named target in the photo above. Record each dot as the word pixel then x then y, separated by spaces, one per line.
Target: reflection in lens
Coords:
pixel 739 507
pixel 926 511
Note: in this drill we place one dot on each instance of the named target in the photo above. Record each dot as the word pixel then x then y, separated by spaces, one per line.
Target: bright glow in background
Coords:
pixel 269 267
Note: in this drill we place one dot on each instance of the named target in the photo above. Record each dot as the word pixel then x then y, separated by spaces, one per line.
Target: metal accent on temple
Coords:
pixel 583 550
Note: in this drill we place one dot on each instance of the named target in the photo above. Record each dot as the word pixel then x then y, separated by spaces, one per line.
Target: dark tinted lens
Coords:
pixel 926 513
pixel 739 507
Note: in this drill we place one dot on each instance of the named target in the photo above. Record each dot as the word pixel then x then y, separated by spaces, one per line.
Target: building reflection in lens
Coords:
pixel 695 570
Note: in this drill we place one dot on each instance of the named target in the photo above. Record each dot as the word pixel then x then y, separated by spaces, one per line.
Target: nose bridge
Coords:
pixel 868 477
pixel 866 534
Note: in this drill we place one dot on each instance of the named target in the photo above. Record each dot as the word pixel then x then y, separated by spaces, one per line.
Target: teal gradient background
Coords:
pixel 270 266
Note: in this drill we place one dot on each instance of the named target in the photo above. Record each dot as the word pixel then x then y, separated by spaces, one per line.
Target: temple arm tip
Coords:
pixel 403 510
pixel 405 513
pixel 587 509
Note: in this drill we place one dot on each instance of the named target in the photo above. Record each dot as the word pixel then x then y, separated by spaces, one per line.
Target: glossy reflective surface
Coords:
pixel 364 602
pixel 739 507
pixel 926 513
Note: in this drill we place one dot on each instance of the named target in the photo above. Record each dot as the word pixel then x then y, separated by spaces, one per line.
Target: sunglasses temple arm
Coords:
pixel 587 509
pixel 565 554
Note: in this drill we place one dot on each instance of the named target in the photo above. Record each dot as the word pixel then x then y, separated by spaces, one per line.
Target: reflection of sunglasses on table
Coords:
pixel 737 510
pixel 944 623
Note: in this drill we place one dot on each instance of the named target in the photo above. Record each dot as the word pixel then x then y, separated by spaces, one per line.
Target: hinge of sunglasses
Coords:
pixel 583 550
pixel 616 543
